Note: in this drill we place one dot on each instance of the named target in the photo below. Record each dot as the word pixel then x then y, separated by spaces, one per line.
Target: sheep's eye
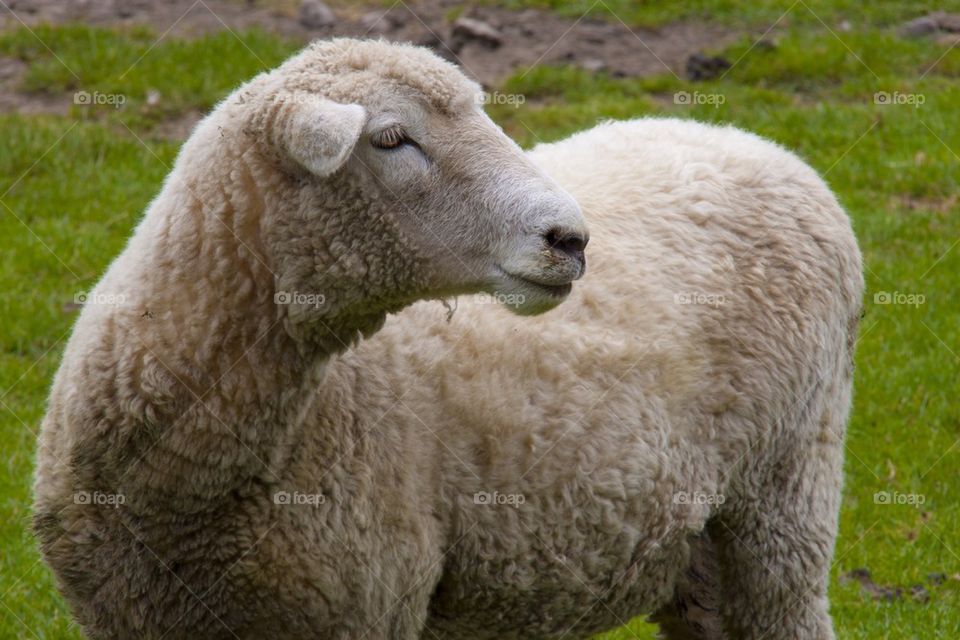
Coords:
pixel 389 138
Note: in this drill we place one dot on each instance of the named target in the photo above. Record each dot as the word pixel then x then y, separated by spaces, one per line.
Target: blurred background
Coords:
pixel 97 95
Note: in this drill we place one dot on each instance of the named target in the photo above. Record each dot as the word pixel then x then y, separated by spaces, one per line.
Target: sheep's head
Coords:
pixel 407 188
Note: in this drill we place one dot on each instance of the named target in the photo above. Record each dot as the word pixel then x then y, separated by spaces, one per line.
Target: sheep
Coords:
pixel 673 434
pixel 663 439
pixel 667 442
pixel 353 180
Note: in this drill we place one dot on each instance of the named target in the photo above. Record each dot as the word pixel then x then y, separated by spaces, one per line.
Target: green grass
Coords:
pixel 76 185
pixel 652 13
pixel 132 64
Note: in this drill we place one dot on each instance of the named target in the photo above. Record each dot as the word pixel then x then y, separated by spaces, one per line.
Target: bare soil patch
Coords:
pixel 488 42
pixel 525 37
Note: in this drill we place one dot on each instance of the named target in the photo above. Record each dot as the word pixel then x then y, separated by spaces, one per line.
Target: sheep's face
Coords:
pixel 458 206
pixel 469 200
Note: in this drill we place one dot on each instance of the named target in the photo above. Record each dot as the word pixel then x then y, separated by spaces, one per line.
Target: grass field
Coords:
pixel 874 113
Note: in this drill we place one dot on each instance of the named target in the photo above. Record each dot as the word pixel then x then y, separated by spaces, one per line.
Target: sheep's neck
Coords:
pixel 231 385
pixel 228 407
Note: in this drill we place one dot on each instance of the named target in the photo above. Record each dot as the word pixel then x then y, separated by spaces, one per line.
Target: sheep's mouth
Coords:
pixel 558 289
pixel 527 296
pixel 553 290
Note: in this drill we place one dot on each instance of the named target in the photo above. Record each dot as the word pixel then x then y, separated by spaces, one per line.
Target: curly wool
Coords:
pixel 675 429
pixel 707 352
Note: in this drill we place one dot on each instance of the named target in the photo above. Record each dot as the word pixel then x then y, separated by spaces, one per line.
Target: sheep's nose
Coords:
pixel 570 243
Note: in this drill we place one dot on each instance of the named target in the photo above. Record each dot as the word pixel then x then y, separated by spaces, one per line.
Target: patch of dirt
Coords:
pixel 489 43
pixel 179 18
pixel 918 592
pixel 178 128
pixel 535 37
pixel 931 24
pixel 946 204
pixel 13 100
pixel 525 38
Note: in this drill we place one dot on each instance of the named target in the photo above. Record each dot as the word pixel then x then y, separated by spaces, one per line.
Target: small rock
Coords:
pixel 920 27
pixel 315 15
pixel 374 22
pixel 593 65
pixel 949 22
pixel 767 43
pixel 472 29
pixel 431 40
pixel 703 67
pixel 380 22
pixel 938 21
pixel 153 97
pixel 844 26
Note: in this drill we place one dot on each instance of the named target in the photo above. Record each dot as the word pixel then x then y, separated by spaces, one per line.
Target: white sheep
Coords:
pixel 674 428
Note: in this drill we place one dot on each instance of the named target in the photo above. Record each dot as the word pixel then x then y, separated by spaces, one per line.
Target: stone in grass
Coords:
pixel 593 65
pixel 930 24
pixel 703 67
pixel 920 27
pixel 949 22
pixel 477 30
pixel 936 578
pixel 876 591
pixel 380 21
pixel 920 593
pixel 315 15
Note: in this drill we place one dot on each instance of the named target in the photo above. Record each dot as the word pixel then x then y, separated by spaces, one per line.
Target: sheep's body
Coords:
pixel 596 416
pixel 707 352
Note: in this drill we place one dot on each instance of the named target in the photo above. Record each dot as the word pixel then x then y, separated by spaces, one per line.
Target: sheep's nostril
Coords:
pixel 571 243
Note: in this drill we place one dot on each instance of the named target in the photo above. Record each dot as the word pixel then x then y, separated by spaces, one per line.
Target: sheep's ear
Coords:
pixel 320 134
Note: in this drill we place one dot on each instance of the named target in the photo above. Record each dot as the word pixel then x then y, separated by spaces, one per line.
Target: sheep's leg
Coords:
pixel 776 540
pixel 694 611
